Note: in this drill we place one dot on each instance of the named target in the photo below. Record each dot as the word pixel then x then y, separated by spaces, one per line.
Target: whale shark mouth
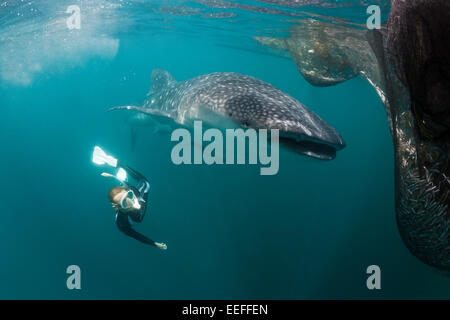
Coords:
pixel 313 148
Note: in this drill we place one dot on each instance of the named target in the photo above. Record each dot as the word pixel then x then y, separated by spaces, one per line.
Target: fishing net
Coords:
pixel 418 48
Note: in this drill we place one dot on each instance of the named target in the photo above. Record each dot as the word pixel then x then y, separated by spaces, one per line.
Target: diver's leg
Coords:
pixel 136 175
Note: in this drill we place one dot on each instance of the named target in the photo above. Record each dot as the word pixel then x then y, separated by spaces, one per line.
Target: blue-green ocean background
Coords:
pixel 308 232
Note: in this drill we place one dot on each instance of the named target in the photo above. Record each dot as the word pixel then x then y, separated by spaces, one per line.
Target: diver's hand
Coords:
pixel 161 245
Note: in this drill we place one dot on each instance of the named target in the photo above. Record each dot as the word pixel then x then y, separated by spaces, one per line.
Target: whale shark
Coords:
pixel 232 100
pixel 408 64
pixel 327 53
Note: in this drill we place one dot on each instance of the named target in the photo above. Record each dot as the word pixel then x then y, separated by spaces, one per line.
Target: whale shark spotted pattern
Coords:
pixel 231 100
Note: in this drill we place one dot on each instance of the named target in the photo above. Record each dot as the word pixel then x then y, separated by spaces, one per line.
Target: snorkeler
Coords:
pixel 129 202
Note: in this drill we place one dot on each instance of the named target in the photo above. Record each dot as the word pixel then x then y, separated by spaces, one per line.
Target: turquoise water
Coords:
pixel 308 232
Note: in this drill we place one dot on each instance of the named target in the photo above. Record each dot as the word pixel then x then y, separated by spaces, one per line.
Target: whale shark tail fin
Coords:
pixel 162 120
pixel 159 80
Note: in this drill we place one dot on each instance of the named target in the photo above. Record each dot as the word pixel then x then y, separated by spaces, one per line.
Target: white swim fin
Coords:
pixel 100 157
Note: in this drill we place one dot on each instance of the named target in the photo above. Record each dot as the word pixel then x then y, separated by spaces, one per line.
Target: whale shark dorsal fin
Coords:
pixel 159 80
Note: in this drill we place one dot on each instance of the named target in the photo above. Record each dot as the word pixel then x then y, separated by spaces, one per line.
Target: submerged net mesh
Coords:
pixel 414 58
pixel 418 46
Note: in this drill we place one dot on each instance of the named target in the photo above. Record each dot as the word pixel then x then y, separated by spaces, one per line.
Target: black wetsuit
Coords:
pixel 123 217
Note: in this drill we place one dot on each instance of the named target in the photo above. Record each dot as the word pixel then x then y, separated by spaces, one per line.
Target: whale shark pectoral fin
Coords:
pixel 274 43
pixel 159 80
pixel 152 112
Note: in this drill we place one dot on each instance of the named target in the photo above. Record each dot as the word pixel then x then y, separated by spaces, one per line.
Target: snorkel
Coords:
pixel 130 201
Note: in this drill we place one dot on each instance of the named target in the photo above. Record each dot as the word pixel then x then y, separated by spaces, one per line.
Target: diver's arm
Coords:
pixel 124 225
pixel 129 231
pixel 140 237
